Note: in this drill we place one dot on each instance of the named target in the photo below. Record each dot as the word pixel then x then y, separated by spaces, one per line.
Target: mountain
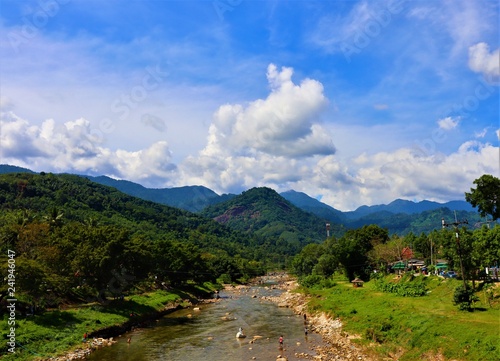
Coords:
pixel 312 205
pixel 86 241
pixel 189 198
pixel 399 217
pixel 5 169
pixel 408 207
pixel 265 213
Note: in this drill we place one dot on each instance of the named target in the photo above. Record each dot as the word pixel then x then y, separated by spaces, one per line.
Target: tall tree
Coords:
pixel 486 196
pixel 353 248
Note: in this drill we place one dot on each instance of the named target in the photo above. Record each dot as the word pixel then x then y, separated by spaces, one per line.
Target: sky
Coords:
pixel 351 102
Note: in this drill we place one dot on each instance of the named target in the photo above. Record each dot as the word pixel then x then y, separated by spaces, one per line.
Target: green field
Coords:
pixel 415 328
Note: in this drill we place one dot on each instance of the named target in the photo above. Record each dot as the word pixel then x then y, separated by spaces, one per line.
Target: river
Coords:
pixel 210 333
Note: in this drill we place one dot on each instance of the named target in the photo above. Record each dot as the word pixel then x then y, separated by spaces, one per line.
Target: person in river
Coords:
pixel 281 341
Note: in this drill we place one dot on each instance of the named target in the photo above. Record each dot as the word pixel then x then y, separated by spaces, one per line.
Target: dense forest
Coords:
pixel 74 239
pixel 264 213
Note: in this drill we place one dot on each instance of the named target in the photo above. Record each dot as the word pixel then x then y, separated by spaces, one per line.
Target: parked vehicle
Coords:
pixel 450 274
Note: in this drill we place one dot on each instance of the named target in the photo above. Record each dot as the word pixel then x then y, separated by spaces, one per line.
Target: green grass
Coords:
pixel 56 332
pixel 412 327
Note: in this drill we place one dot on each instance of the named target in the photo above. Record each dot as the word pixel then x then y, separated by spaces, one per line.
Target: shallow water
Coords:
pixel 210 334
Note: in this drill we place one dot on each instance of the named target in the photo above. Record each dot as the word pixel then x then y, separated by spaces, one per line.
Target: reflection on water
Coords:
pixel 210 334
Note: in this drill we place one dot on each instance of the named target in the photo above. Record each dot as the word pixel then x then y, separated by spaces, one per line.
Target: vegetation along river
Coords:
pixel 210 333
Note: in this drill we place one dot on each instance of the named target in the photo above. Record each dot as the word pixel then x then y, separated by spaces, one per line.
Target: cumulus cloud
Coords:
pixel 481 60
pixel 266 140
pixel 448 123
pixel 283 124
pixel 343 183
pixel 72 147
pixel 381 177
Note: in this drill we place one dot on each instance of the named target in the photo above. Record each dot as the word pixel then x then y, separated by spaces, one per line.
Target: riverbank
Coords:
pixel 59 334
pixel 338 343
pixel 107 336
pixel 378 326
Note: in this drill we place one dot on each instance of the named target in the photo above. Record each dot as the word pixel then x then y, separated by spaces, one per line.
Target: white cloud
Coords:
pixel 448 123
pixel 334 33
pixel 283 124
pixel 382 177
pixel 481 60
pixel 265 142
pixel 72 147
pixel 481 134
pixel 344 183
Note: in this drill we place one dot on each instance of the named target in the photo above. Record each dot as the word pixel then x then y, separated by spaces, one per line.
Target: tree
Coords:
pixel 353 249
pixel 304 263
pixel 486 196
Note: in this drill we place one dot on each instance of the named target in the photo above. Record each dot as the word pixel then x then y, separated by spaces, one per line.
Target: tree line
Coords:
pixel 75 240
pixel 358 252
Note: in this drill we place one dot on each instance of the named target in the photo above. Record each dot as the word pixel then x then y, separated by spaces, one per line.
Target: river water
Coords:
pixel 210 333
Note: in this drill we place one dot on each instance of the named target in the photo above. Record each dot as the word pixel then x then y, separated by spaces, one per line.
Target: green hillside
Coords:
pixel 263 212
pixel 189 198
pixel 73 239
pixel 403 223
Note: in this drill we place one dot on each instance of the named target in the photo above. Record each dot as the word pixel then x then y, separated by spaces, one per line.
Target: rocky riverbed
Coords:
pixel 338 343
pixel 335 345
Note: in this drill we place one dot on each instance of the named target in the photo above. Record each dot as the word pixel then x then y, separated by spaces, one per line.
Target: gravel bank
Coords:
pixel 339 345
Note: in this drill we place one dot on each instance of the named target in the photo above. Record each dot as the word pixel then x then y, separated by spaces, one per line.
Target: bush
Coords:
pixel 310 281
pixel 405 287
pixel 464 298
pixel 224 279
pixel 316 281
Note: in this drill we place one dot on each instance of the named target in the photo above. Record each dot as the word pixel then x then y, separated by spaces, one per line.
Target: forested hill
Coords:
pixel 190 198
pixel 262 211
pixel 399 217
pixel 70 233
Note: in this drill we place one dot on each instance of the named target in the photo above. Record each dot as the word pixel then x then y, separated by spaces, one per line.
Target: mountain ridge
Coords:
pixel 264 212
pixel 198 198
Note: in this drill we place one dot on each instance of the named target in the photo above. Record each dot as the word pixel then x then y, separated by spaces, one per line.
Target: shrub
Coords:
pixel 405 287
pixel 310 281
pixel 316 281
pixel 464 298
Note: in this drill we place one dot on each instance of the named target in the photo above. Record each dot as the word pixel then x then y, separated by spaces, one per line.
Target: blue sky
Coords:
pixel 352 102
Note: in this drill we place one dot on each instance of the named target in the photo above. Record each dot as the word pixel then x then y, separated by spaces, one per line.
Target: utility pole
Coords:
pixel 457 239
pixel 487 222
pixel 432 263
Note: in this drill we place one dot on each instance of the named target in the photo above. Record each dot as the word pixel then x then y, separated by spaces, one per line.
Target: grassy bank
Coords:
pixel 56 332
pixel 414 328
